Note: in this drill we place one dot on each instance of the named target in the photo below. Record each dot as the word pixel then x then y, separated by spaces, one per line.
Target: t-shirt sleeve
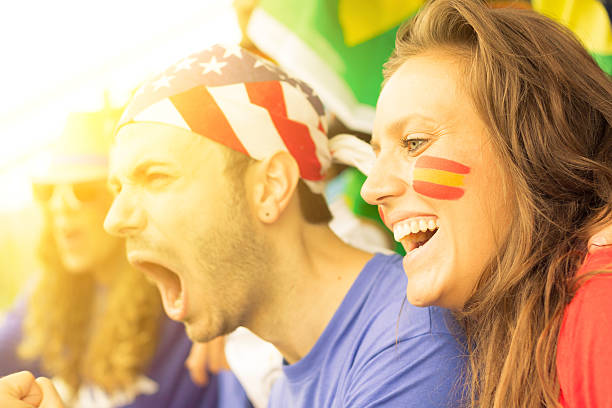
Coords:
pixel 420 372
pixel 11 332
pixel 584 351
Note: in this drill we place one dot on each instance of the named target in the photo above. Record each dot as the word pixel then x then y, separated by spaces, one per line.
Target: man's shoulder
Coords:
pixel 385 320
pixel 386 306
pixel 383 274
pixel 412 356
pixel 400 323
pixel 378 350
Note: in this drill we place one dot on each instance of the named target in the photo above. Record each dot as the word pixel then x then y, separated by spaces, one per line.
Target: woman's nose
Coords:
pixel 63 199
pixel 382 183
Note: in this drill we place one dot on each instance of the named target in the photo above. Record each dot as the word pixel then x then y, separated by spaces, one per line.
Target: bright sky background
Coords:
pixel 60 56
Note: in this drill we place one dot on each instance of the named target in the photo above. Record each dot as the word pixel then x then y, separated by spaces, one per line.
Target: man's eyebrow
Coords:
pixel 137 171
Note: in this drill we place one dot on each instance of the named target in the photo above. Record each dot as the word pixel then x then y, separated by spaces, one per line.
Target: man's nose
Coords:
pixel 124 217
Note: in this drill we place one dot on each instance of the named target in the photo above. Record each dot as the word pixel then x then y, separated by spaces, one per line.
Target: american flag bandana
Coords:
pixel 248 104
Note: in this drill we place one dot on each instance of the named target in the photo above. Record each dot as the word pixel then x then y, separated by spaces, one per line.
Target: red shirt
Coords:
pixel 584 349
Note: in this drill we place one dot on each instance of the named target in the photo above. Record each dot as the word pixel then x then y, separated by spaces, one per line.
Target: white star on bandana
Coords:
pixel 261 63
pixel 233 50
pixel 163 82
pixel 213 65
pixel 184 64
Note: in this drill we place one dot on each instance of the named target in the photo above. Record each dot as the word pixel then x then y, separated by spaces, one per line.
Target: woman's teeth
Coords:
pixel 413 226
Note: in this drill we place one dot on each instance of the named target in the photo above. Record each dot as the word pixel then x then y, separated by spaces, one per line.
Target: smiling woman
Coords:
pixel 496 126
pixel 428 171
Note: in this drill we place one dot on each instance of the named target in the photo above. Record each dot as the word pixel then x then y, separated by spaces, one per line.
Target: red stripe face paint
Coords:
pixel 439 178
pixel 437 191
pixel 438 163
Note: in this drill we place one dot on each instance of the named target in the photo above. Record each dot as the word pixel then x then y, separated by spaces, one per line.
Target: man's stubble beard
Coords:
pixel 236 259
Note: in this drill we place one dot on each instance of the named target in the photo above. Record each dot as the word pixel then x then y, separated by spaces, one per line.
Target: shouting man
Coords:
pixel 218 168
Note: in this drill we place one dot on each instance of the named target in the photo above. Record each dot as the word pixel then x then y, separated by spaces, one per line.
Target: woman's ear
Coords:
pixel 274 182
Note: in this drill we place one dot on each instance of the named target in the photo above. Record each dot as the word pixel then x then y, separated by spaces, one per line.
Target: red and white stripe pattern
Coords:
pixel 242 102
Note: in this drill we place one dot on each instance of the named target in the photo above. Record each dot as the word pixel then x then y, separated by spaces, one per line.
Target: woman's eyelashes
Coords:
pixel 415 145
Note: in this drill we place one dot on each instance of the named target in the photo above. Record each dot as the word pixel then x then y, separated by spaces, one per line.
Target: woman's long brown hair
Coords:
pixel 60 316
pixel 548 109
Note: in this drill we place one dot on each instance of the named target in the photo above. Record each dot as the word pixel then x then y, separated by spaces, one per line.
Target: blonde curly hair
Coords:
pixel 80 344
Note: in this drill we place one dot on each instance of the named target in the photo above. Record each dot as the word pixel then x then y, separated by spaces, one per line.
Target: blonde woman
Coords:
pixel 90 321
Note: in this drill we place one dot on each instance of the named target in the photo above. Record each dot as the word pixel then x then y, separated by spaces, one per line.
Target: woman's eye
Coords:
pixel 414 145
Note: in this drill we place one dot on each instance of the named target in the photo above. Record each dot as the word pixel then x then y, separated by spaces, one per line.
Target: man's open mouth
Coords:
pixel 415 232
pixel 170 287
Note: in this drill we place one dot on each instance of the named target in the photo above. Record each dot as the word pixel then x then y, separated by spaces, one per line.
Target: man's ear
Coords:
pixel 274 182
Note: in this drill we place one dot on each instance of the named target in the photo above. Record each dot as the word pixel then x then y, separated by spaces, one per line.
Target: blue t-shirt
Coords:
pixel 371 355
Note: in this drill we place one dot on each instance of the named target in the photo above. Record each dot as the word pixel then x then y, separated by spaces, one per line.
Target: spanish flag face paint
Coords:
pixel 439 178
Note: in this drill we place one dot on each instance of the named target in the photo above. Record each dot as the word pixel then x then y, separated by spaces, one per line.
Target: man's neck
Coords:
pixel 314 273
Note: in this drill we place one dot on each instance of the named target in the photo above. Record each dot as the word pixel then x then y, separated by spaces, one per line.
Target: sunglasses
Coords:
pixel 84 192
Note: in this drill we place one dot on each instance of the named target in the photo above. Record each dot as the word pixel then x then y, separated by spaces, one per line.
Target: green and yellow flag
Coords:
pixel 589 20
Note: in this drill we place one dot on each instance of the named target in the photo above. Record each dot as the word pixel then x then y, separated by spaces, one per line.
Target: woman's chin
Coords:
pixel 77 265
pixel 428 294
pixel 424 288
pixel 421 298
